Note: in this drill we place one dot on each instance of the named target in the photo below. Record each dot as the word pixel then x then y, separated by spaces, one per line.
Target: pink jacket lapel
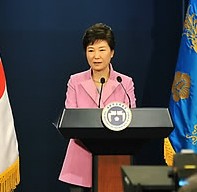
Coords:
pixel 108 88
pixel 90 89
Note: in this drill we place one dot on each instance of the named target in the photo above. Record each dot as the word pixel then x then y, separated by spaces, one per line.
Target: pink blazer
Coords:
pixel 82 93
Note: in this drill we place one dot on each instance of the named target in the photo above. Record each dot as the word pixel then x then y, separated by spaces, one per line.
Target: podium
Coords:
pixel 86 125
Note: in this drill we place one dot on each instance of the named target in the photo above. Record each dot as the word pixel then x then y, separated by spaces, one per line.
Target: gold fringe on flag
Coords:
pixel 168 152
pixel 10 178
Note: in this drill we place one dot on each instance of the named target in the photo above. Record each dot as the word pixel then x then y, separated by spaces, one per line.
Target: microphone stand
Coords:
pixel 102 81
pixel 119 79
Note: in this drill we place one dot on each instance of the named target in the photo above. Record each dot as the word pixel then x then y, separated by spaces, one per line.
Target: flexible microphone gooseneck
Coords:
pixel 119 79
pixel 102 81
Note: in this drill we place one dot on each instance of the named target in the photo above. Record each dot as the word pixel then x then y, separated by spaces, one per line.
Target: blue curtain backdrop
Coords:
pixel 40 46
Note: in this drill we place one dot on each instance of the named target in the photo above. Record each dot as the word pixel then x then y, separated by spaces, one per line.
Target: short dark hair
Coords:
pixel 99 31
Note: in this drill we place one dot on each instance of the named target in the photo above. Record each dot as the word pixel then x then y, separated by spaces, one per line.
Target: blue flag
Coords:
pixel 183 101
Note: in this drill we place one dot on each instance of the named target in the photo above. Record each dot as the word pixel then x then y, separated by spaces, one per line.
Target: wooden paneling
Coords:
pixel 109 172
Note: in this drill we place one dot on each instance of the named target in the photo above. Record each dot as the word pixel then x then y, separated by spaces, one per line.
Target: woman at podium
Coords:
pixel 94 88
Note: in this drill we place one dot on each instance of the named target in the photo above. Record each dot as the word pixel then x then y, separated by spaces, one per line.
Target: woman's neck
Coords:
pixel 97 75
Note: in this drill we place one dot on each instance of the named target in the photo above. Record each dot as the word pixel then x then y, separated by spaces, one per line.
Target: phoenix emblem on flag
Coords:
pixel 181 86
pixel 190 29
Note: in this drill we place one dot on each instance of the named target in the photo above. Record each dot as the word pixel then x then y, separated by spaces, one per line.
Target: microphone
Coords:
pixel 102 81
pixel 119 79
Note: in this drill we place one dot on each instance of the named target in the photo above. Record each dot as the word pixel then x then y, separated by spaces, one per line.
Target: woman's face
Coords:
pixel 99 55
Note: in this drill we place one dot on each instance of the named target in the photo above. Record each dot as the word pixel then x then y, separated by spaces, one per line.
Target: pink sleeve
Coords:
pixel 71 101
pixel 131 92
